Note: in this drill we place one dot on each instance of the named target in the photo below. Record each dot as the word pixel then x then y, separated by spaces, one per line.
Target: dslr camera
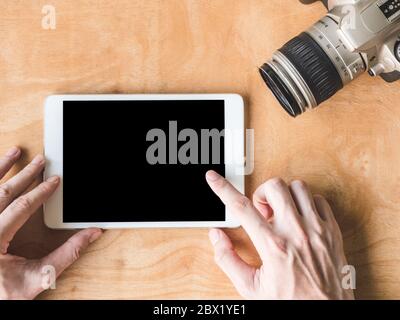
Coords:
pixel 353 37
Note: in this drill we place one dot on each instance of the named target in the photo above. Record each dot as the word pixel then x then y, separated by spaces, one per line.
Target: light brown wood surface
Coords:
pixel 347 149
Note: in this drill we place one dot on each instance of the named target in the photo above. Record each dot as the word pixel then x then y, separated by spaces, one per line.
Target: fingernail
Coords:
pixel 214 236
pixel 54 179
pixel 39 159
pixel 12 152
pixel 95 236
pixel 212 176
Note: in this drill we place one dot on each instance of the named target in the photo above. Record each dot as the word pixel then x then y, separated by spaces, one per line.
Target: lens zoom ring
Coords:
pixel 314 65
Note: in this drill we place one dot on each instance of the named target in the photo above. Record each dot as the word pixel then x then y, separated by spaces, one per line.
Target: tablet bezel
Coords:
pixel 53 149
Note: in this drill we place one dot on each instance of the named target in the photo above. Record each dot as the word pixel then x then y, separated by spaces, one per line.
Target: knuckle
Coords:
pixel 31 169
pixel 75 250
pixel 242 203
pixel 318 197
pixel 45 187
pixel 275 182
pixel 280 245
pixel 299 184
pixel 5 191
pixel 220 183
pixel 23 203
pixel 4 244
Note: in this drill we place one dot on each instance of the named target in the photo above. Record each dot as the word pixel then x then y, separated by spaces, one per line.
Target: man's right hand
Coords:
pixel 296 236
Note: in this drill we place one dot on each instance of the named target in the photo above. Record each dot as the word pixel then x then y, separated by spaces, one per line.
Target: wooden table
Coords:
pixel 347 149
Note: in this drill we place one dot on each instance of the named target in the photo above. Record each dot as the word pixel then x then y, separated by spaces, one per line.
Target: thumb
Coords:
pixel 69 252
pixel 238 271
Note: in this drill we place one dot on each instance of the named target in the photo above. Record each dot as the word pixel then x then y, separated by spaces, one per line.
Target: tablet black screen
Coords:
pixel 119 168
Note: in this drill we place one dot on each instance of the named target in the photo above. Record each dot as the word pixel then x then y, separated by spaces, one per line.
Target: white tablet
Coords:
pixel 135 161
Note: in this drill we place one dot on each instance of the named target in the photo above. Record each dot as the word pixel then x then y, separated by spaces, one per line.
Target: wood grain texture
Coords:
pixel 347 149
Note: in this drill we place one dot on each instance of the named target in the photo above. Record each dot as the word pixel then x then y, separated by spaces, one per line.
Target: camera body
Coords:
pixel 362 28
pixel 353 37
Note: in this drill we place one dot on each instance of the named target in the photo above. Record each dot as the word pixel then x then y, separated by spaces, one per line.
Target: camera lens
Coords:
pixel 301 75
pixel 280 90
pixel 312 67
